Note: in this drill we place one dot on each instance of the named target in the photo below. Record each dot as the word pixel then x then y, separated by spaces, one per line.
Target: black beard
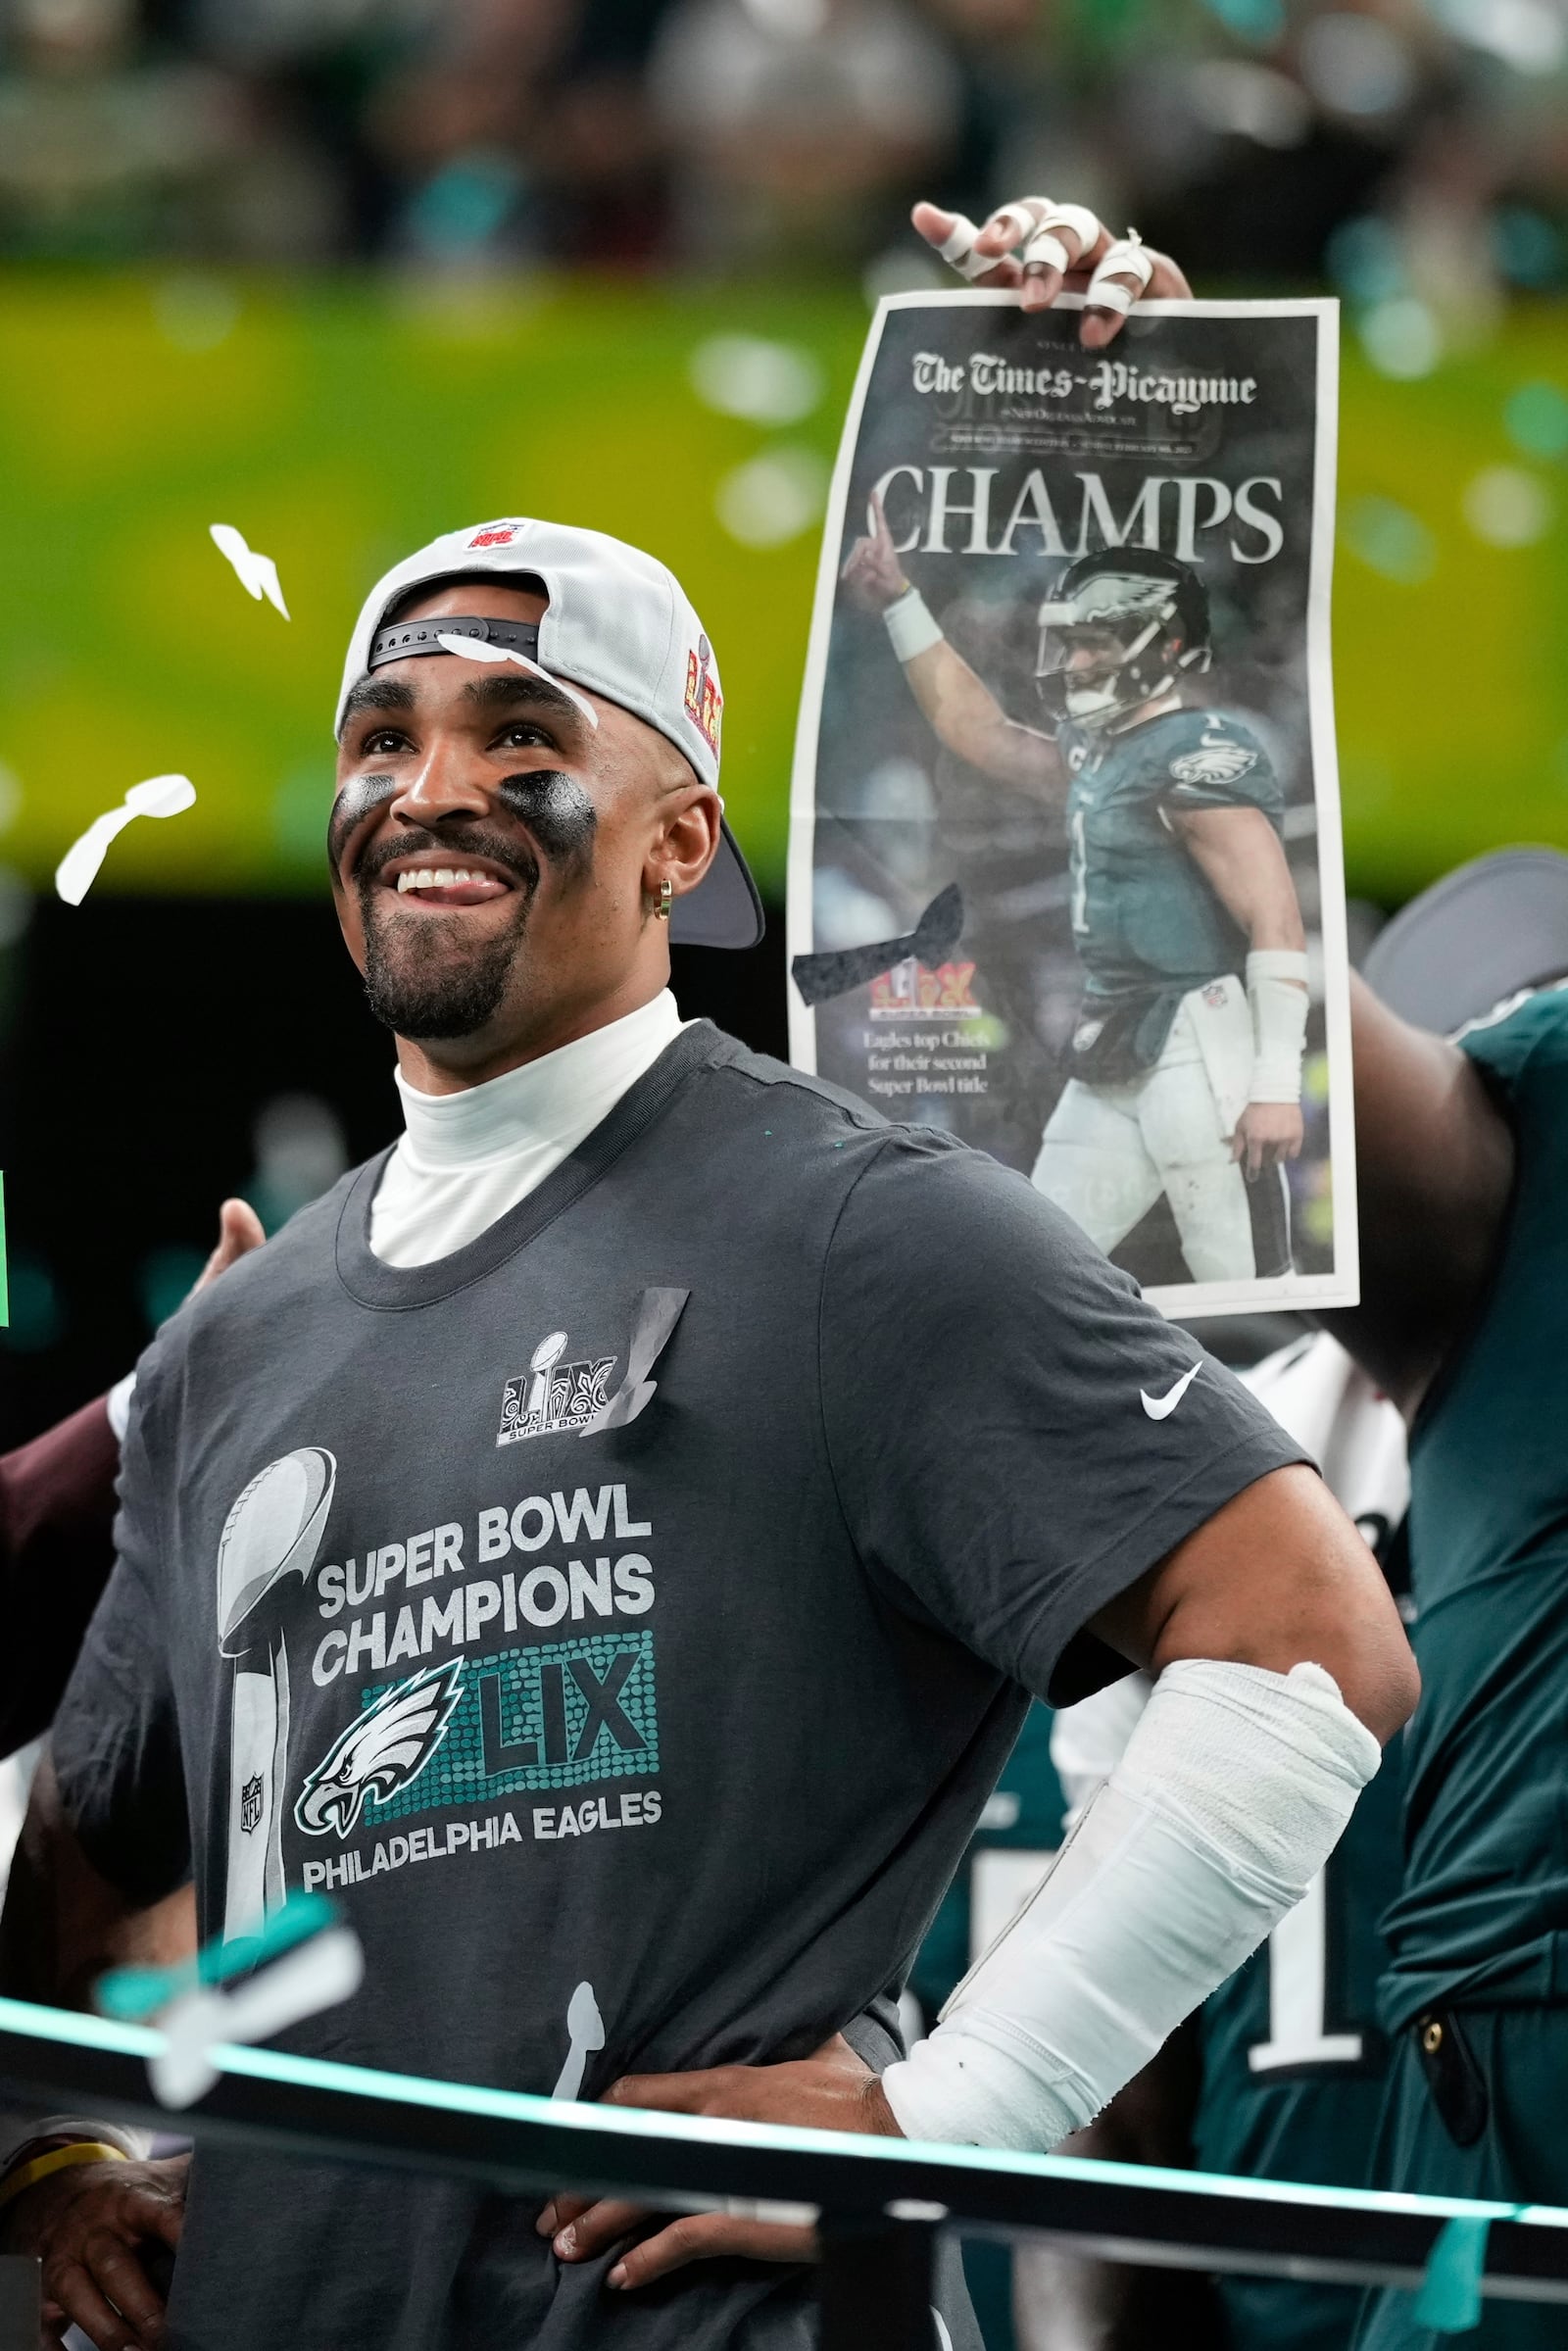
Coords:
pixel 415 984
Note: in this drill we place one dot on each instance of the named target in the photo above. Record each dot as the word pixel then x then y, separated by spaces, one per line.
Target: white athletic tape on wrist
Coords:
pixel 909 626
pixel 1233 1791
pixel 1046 248
pixel 958 249
pixel 1127 258
pixel 1277 992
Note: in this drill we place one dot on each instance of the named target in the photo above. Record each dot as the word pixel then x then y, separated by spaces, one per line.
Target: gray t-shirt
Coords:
pixel 686 1682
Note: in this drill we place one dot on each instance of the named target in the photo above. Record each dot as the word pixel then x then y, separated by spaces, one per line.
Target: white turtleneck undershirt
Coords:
pixel 464 1159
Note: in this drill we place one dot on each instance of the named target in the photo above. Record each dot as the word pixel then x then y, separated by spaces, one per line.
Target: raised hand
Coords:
pixel 1042 249
pixel 871 569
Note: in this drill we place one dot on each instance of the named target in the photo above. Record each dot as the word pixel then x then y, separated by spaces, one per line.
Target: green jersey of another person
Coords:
pixel 1476 1993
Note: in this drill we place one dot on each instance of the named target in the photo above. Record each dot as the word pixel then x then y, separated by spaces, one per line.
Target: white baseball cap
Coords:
pixel 616 621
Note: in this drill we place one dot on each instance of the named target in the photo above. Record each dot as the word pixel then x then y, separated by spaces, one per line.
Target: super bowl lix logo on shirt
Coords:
pixel 494 1659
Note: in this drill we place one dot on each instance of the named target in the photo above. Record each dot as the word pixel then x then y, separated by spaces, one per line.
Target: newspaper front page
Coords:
pixel 1065 818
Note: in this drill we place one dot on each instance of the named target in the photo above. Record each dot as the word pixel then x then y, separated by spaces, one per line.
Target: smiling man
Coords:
pixel 608 1541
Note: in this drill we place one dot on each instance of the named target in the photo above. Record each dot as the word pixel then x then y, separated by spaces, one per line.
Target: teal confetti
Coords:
pixel 1450 2299
pixel 133 1992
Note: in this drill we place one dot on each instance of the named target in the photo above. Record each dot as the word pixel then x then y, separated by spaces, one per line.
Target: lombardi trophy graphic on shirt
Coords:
pixel 273 1533
pixel 585 2036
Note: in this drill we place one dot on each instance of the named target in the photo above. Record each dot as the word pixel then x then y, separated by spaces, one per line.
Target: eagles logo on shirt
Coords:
pixel 381 1751
pixel 1216 759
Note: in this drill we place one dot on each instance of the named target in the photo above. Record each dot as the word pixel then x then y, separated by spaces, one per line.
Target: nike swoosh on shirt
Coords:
pixel 1160 1407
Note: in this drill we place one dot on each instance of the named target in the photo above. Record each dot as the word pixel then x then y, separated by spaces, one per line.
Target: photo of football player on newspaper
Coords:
pixel 1066 872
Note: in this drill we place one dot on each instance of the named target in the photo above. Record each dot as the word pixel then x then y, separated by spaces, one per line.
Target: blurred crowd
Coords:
pixel 1413 151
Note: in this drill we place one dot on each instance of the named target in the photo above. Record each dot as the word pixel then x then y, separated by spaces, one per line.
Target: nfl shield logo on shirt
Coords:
pixel 250 1805
pixel 552 1395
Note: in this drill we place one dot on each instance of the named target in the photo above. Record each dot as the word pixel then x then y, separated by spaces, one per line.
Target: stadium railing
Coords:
pixel 879 2202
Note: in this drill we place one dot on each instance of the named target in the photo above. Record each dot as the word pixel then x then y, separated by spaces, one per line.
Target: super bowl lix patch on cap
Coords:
pixel 705 704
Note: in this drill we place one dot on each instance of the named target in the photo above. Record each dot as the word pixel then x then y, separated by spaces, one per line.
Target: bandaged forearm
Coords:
pixel 1234 1790
pixel 1276 991
pixel 911 626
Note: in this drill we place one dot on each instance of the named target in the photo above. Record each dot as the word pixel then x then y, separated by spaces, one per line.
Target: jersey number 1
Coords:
pixel 1298 1992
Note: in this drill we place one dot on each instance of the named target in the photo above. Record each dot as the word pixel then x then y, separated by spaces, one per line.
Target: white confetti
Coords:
pixel 480 648
pixel 159 796
pixel 257 574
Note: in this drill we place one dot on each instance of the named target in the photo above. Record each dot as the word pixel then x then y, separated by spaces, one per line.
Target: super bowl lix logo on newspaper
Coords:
pixel 1064 868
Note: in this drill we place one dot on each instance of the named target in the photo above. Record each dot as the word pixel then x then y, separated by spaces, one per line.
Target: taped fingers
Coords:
pixel 981 256
pixel 959 250
pixel 1121 275
pixel 1061 237
pixel 1014 223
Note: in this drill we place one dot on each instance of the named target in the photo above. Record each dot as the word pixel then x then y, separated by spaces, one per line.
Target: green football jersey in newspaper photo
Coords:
pixel 1145 920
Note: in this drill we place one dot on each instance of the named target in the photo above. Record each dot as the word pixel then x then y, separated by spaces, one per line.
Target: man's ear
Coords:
pixel 687 844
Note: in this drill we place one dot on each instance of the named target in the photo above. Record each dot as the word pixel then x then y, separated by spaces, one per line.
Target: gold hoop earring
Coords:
pixel 666 892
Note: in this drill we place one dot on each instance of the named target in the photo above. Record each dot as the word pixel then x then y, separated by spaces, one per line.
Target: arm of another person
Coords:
pixel 101 1875
pixel 64 1924
pixel 962 713
pixel 1243 860
pixel 56 1515
pixel 1434 1171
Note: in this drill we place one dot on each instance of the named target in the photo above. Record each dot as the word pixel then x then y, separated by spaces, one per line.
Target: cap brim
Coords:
pixel 1476 937
pixel 724 910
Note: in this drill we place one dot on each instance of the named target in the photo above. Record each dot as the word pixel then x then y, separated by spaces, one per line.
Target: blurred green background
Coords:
pixel 339 423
